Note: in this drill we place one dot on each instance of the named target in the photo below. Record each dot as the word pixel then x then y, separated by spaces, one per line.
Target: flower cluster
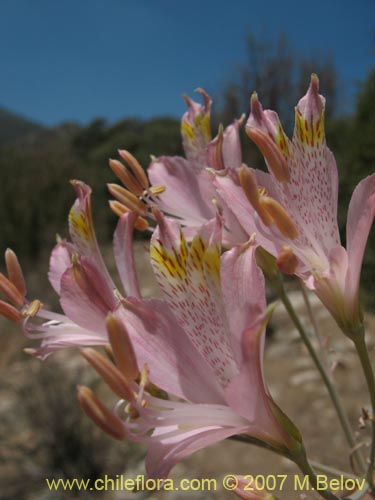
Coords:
pixel 188 367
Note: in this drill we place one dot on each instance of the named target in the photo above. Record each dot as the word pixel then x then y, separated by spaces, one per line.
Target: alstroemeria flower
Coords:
pixel 79 276
pixel 295 206
pixel 202 345
pixel 183 187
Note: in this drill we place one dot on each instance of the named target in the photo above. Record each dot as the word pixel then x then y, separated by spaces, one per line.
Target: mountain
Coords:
pixel 15 128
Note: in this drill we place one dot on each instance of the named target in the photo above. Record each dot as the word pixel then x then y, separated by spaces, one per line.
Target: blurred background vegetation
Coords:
pixel 36 163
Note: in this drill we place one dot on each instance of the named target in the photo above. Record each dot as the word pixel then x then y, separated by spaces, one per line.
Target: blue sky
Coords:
pixel 79 59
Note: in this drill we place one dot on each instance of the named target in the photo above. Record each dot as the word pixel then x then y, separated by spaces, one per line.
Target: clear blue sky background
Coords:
pixel 79 59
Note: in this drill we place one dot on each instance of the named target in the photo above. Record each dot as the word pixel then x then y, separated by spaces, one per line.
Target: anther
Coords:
pixel 135 167
pixel 109 372
pixel 100 414
pixel 128 179
pixel 122 347
pixel 127 198
pixel 280 217
pixel 287 261
pixel 14 271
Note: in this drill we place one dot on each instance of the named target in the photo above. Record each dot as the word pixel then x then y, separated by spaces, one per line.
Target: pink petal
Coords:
pixel 230 190
pixel 360 218
pixel 190 281
pixel 60 333
pixel 81 226
pixel 224 151
pixel 247 394
pixel 86 295
pixel 60 261
pixel 232 154
pixel 164 455
pixel 178 368
pixel 243 291
pixel 196 130
pixel 188 193
pixel 124 254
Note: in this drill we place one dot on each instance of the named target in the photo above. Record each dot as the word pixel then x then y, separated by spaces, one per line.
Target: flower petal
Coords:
pixel 196 130
pixel 60 261
pixel 86 295
pixel 164 454
pixel 224 151
pixel 360 218
pixel 244 291
pixel 247 394
pixel 160 342
pixel 190 281
pixel 59 332
pixel 81 226
pixel 188 194
pixel 124 253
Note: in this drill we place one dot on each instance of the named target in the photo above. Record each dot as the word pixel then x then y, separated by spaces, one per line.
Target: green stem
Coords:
pixel 311 316
pixel 306 469
pixel 331 470
pixel 323 372
pixel 305 466
pixel 359 342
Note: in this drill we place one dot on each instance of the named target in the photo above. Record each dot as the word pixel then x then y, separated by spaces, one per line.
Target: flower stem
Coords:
pixel 331 470
pixel 305 467
pixel 345 424
pixel 360 344
pixel 311 316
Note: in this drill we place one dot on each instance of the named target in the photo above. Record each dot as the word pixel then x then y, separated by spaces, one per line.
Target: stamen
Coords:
pixel 119 209
pixel 10 312
pixel 287 261
pixel 280 217
pixel 32 309
pixel 135 167
pixel 249 186
pixel 122 348
pixel 14 271
pixel 100 414
pixel 110 374
pixel 11 291
pixel 252 192
pixel 128 179
pixel 272 154
pixel 127 198
pixel 155 190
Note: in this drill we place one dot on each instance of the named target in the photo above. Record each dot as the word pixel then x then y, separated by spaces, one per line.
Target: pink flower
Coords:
pixel 183 187
pixel 294 207
pixel 203 345
pixel 79 276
